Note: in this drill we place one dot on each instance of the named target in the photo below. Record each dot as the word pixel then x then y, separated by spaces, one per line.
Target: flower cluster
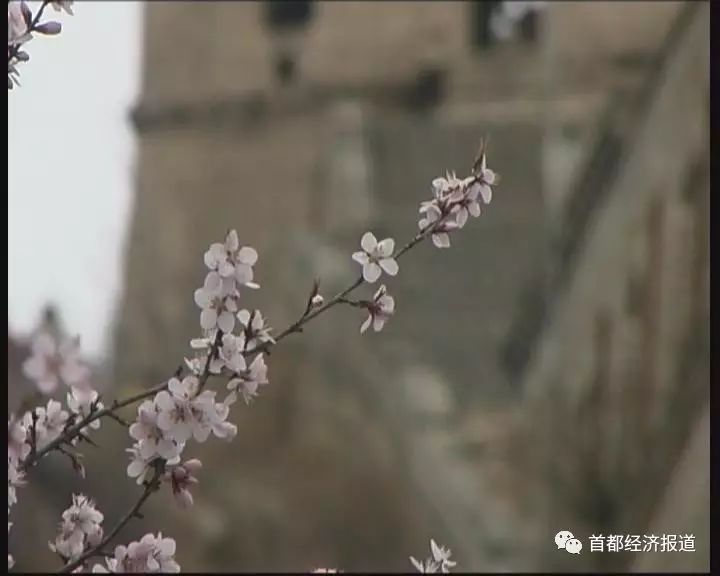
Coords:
pixel 53 362
pixel 80 528
pixel 376 258
pixel 185 409
pixel 22 25
pixel 152 554
pixel 455 199
pixel 18 449
pixel 167 422
pixel 15 480
pixel 47 423
pixel 438 562
pixel 231 267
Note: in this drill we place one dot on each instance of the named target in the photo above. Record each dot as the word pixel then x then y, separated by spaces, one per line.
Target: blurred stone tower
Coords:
pixel 303 124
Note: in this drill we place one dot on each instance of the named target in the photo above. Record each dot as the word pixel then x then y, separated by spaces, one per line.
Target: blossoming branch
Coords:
pixel 21 27
pixel 231 347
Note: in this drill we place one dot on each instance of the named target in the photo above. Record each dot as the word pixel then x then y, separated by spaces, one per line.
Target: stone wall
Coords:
pixel 608 379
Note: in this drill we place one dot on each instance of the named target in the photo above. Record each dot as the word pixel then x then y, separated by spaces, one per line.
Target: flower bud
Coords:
pixel 49 28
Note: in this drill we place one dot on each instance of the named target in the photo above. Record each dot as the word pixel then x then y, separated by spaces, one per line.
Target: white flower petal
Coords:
pixel 226 322
pixel 247 255
pixel 441 240
pixel 368 242
pixel 486 193
pixel 244 317
pixel 386 247
pixel 231 241
pixel 361 257
pixel 208 318
pixel 389 265
pixel 371 272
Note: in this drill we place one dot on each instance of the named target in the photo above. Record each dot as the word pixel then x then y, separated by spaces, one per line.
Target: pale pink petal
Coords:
pixel 47 385
pixel 361 257
pixel 226 322
pixel 371 272
pixel 135 468
pixel 366 324
pixel 44 344
pixel 390 266
pixel 441 240
pixel 231 241
pixel 213 282
pixel 225 269
pixel 368 242
pixel 184 498
pixel 486 193
pixel 202 298
pixel 386 247
pixel 247 255
pixel 244 317
pixel 208 318
pixel 387 303
pixel 35 367
pixel 243 273
pixel 462 217
pixel 164 401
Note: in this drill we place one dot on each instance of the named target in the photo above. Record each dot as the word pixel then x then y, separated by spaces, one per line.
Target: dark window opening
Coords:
pixel 481 29
pixel 529 27
pixel 283 14
pixel 285 68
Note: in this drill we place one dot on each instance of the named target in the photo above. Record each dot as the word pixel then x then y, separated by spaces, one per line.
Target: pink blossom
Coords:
pixel 52 362
pixel 18 32
pixel 248 381
pixel 50 422
pixel 376 257
pixel 18 446
pixel 150 554
pixel 256 333
pixel 232 261
pixel 151 439
pixel 181 477
pixel 218 301
pixel 380 309
pixel 80 528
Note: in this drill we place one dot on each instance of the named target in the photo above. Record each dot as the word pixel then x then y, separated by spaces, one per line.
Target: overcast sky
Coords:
pixel 70 169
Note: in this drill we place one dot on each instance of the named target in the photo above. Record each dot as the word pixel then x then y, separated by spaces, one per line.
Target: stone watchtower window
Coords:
pixel 281 15
pixel 495 20
pixel 287 19
pixel 481 33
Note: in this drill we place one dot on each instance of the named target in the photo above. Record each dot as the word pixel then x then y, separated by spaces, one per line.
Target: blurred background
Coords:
pixel 548 372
